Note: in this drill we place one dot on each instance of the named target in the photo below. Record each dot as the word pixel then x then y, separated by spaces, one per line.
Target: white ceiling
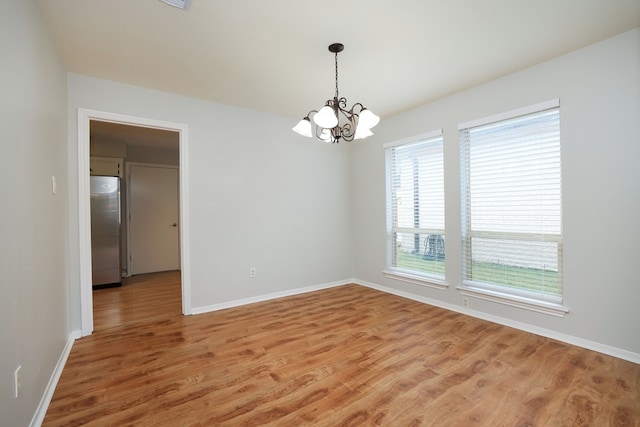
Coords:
pixel 271 55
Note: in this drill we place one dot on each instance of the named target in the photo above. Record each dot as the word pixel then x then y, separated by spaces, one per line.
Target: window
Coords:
pixel 415 210
pixel 511 205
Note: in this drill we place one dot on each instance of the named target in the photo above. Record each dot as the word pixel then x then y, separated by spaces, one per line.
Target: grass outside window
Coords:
pixel 533 279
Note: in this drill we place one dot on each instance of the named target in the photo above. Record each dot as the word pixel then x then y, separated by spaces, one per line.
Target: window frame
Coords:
pixel 517 297
pixel 432 280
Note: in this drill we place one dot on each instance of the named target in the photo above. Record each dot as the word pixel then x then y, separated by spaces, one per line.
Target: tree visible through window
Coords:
pixel 511 202
pixel 415 206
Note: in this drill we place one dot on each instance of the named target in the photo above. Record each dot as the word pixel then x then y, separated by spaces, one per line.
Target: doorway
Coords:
pixel 85 117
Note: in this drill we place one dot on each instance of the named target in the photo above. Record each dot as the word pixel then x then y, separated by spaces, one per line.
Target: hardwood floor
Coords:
pixel 141 297
pixel 345 356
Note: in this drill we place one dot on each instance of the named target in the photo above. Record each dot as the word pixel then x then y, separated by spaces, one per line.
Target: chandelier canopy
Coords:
pixel 334 121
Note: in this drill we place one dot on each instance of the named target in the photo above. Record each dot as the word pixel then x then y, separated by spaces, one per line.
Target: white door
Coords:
pixel 154 236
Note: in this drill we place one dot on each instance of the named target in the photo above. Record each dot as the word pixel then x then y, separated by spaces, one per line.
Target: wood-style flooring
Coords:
pixel 142 297
pixel 345 356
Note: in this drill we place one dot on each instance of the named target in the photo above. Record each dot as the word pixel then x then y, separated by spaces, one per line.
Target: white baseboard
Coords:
pixel 569 339
pixel 41 410
pixel 266 297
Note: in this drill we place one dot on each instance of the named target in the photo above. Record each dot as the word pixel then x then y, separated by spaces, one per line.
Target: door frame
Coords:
pixel 128 167
pixel 84 207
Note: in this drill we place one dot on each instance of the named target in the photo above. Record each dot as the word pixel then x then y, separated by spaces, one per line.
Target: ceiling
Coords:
pixel 272 55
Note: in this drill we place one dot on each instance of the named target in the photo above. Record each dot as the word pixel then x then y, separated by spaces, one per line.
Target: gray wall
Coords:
pixel 260 195
pixel 599 91
pixel 34 296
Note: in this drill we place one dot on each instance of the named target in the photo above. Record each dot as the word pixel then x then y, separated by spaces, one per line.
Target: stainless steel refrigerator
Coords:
pixel 105 231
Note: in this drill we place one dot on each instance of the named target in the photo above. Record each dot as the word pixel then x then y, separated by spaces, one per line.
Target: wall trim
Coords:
pixel 41 410
pixel 267 297
pixel 569 339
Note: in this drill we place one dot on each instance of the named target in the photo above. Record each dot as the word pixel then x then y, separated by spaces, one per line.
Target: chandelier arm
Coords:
pixel 342 104
pixel 348 131
pixel 308 116
pixel 358 104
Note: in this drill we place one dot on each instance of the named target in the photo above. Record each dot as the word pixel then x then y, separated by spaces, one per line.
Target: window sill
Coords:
pixel 416 280
pixel 543 307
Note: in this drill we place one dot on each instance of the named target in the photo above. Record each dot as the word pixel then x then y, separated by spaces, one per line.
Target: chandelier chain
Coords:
pixel 336 75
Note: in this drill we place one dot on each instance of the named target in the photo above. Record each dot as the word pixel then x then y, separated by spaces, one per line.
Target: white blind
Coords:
pixel 512 218
pixel 415 206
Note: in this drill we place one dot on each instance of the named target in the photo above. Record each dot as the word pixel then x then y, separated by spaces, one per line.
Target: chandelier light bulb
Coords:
pixel 362 132
pixel 368 119
pixel 326 118
pixel 325 135
pixel 303 127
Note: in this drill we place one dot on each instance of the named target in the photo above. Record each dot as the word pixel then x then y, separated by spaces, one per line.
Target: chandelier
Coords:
pixel 334 122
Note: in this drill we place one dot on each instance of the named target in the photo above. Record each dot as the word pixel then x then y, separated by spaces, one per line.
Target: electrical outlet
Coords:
pixel 17 382
pixel 252 272
pixel 465 302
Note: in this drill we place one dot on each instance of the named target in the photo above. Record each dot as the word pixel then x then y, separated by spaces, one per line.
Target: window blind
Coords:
pixel 511 199
pixel 415 206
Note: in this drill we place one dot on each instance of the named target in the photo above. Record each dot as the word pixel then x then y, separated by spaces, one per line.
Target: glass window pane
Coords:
pixel 527 265
pixel 415 206
pixel 422 253
pixel 512 203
